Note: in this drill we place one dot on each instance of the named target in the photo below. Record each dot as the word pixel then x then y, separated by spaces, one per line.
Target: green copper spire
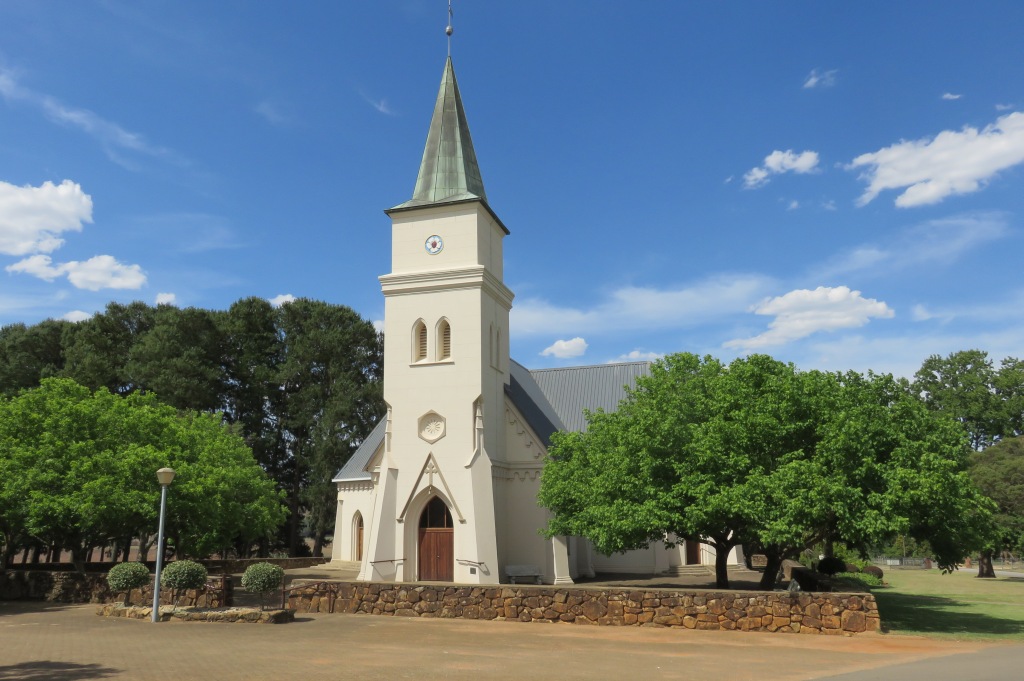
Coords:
pixel 449 171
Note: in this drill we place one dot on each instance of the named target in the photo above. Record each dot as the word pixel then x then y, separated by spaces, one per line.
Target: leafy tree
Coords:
pixel 30 353
pixel 97 350
pixel 180 359
pixel 330 381
pixel 760 454
pixel 78 470
pixel 999 473
pixel 966 386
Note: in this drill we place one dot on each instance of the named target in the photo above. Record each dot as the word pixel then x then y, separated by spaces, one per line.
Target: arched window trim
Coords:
pixel 443 347
pixel 419 341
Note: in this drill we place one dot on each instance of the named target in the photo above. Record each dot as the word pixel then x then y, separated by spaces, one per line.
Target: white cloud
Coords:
pixel 98 272
pixel 638 356
pixel 779 162
pixel 642 309
pixel 793 205
pixel 819 78
pixel 949 96
pixel 564 349
pixel 800 313
pixel 1004 107
pixel 935 241
pixel 32 218
pixel 950 163
pixel 380 105
pixel 271 112
pixel 166 299
pixel 77 316
pixel 378 325
pixel 278 301
pixel 112 137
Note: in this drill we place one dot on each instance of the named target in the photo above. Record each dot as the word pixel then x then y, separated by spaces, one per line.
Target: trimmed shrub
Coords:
pixel 874 571
pixel 831 565
pixel 858 579
pixel 261 578
pixel 182 575
pixel 127 576
pixel 852 567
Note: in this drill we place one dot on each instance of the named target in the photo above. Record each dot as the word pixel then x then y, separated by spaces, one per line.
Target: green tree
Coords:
pixel 999 473
pixel 963 386
pixel 760 454
pixel 97 350
pixel 30 353
pixel 331 383
pixel 180 358
pixel 79 466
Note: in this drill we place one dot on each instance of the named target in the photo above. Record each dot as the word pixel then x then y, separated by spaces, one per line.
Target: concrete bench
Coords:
pixel 515 572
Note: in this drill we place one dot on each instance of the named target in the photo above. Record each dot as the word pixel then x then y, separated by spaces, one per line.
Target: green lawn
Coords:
pixel 957 605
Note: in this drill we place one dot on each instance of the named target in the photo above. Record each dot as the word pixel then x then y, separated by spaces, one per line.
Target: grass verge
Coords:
pixel 957 605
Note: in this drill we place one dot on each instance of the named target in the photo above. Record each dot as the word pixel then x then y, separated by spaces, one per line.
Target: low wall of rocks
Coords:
pixel 77 587
pixel 834 614
pixel 234 615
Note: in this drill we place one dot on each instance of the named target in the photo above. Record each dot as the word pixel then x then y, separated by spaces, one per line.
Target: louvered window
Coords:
pixel 419 342
pixel 445 340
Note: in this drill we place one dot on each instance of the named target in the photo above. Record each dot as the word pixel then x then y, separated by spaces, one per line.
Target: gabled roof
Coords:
pixel 571 390
pixel 355 469
pixel 549 399
pixel 449 171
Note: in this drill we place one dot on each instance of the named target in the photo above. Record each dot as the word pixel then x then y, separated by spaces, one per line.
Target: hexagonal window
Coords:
pixel 432 427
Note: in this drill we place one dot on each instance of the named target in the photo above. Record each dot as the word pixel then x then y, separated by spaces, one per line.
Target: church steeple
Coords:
pixel 449 171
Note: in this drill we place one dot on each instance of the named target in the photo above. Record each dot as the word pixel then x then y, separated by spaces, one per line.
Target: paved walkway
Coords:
pixel 70 643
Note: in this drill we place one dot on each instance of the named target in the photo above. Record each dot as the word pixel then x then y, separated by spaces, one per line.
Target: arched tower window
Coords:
pixel 419 341
pixel 444 340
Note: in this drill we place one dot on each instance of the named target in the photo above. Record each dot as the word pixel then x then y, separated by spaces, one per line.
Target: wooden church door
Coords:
pixel 692 552
pixel 437 543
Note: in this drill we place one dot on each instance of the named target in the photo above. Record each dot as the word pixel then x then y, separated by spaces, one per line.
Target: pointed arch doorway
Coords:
pixel 436 543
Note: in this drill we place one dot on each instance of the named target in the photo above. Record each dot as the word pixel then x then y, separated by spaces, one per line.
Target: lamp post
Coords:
pixel 164 476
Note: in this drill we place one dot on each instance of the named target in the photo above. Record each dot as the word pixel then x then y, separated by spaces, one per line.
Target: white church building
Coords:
pixel 445 487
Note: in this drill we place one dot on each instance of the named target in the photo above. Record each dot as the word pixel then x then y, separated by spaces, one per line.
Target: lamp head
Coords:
pixel 165 476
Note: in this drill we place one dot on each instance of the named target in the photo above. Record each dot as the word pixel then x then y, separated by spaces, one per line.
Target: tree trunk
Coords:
pixel 771 571
pixel 78 556
pixel 985 568
pixel 318 545
pixel 722 565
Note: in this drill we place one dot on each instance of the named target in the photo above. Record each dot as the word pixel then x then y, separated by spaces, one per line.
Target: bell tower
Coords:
pixel 446 366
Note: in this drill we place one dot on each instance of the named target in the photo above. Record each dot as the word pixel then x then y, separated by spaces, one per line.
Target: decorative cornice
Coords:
pixel 472 277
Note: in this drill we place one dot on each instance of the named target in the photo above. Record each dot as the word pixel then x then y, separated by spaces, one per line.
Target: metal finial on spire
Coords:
pixel 448 30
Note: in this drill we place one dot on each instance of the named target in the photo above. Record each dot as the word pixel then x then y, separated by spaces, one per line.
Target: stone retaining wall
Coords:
pixel 76 587
pixel 803 612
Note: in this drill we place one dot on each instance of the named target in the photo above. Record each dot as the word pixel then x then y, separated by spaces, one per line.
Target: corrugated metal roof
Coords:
pixel 353 470
pixel 570 390
pixel 549 399
pixel 529 399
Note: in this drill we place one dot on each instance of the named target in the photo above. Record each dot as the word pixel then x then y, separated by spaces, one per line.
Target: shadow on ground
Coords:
pixel 21 607
pixel 44 670
pixel 907 613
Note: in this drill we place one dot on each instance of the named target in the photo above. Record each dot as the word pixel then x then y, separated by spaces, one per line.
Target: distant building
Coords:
pixel 445 487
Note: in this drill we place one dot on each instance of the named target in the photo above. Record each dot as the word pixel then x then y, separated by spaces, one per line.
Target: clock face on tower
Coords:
pixel 434 244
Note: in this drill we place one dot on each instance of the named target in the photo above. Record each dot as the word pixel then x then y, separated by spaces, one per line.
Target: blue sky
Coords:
pixel 838 185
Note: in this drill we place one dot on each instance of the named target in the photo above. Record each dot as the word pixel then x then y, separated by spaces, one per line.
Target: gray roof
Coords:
pixel 354 469
pixel 449 171
pixel 571 390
